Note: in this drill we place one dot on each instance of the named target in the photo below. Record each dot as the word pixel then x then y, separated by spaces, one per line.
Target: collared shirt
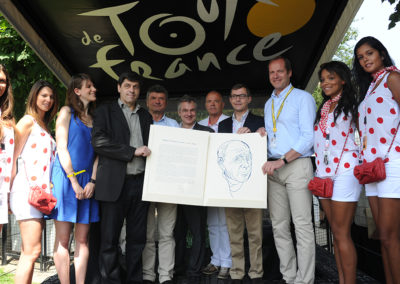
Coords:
pixel 166 121
pixel 206 122
pixel 294 125
pixel 238 124
pixel 137 165
pixel 180 125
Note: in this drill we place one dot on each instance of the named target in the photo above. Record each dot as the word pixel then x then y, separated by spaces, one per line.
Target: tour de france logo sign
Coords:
pixel 212 35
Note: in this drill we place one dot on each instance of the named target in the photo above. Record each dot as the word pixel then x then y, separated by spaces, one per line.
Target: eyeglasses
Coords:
pixel 239 96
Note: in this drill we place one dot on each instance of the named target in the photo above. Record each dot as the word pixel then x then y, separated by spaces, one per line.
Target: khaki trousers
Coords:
pixel 236 220
pixel 166 217
pixel 289 199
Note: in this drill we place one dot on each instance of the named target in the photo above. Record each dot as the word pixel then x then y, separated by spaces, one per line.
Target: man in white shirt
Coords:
pixel 221 259
pixel 289 117
pixel 156 101
pixel 214 106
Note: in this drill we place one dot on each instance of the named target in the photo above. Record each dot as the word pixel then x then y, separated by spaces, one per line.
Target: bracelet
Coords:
pixel 75 174
pixel 92 181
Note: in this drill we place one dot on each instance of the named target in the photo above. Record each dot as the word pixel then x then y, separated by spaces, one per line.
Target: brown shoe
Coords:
pixel 223 273
pixel 210 269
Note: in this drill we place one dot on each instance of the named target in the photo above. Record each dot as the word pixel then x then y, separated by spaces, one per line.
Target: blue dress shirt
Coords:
pixel 295 125
pixel 166 121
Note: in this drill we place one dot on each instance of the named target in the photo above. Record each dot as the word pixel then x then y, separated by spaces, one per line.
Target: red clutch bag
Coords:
pixel 321 187
pixel 41 200
pixel 370 172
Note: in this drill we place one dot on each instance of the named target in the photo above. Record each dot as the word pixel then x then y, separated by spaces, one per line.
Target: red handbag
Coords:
pixel 323 187
pixel 41 200
pixel 369 172
pixel 38 197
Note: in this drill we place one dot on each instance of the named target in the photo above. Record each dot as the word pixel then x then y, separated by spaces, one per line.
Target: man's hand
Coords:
pixel 262 131
pixel 269 167
pixel 142 151
pixel 242 130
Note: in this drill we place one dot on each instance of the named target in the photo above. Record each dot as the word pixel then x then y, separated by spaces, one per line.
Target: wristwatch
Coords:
pixel 284 159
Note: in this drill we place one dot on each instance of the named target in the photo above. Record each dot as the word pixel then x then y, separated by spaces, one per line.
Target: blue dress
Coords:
pixel 69 208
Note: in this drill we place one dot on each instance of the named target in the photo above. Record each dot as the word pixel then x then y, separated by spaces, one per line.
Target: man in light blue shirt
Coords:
pixel 289 117
pixel 156 102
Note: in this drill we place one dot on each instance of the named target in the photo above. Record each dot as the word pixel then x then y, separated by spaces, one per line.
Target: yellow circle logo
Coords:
pixel 279 16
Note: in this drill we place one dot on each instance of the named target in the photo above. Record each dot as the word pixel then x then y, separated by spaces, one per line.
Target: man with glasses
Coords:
pixel 190 217
pixel 243 121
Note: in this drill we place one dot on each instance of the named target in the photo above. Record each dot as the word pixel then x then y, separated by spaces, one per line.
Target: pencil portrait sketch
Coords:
pixel 235 160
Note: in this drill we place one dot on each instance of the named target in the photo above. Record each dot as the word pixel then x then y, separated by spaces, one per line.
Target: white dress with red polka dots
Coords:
pixel 337 132
pixel 6 156
pixel 382 117
pixel 37 157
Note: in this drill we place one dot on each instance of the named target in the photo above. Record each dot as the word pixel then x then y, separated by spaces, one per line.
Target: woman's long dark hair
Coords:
pixel 362 78
pixel 348 102
pixel 72 99
pixel 6 104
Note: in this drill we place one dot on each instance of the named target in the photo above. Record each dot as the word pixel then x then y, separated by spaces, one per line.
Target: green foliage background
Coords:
pixel 24 67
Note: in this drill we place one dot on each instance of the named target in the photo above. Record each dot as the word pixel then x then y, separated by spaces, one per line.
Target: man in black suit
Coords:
pixel 188 216
pixel 243 121
pixel 119 136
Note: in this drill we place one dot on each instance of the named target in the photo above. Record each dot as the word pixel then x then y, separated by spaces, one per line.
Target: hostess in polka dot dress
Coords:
pixel 380 112
pixel 337 136
pixel 36 161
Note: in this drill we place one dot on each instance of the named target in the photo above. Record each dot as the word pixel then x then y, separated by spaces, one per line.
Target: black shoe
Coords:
pixel 257 280
pixel 236 281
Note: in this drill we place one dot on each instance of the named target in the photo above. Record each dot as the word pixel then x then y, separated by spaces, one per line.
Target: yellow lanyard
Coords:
pixel 279 111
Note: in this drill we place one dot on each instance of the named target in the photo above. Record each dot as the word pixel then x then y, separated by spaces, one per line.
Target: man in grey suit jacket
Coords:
pixel 188 216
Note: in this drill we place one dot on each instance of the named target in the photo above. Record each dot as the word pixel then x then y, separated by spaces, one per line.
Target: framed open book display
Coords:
pixel 208 169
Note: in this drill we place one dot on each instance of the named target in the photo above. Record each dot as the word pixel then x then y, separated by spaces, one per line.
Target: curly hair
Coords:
pixel 362 78
pixel 348 101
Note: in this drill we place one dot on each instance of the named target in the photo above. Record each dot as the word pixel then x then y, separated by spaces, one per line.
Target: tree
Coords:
pixel 344 53
pixel 395 16
pixel 24 67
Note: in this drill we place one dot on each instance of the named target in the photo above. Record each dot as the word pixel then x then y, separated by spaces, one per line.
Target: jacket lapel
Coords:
pixel 117 113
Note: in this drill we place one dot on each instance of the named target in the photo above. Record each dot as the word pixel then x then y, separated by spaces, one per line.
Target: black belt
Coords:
pixel 135 176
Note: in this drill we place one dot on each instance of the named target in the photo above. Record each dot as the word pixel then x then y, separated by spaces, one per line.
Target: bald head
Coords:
pixel 214 103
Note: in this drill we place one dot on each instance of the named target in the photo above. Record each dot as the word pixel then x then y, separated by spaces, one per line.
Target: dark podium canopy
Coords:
pixel 189 46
